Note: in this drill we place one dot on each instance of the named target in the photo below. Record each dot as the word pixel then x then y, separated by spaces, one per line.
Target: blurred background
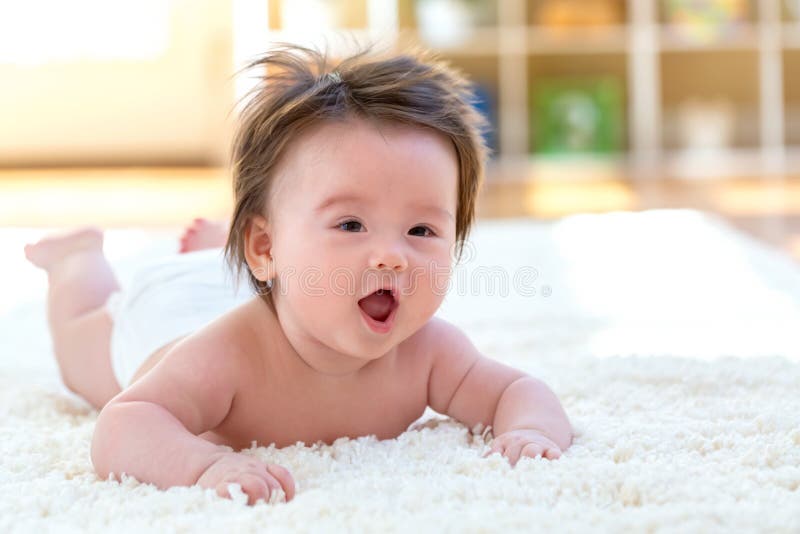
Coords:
pixel 119 112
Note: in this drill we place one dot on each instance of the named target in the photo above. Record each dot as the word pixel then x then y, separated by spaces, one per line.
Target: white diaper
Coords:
pixel 167 299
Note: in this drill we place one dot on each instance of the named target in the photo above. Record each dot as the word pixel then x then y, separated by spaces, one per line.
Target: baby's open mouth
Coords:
pixel 378 305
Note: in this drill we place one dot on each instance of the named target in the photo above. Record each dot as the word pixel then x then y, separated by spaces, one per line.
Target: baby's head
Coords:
pixel 398 136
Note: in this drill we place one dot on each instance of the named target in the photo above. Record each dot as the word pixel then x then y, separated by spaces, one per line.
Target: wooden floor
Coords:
pixel 173 196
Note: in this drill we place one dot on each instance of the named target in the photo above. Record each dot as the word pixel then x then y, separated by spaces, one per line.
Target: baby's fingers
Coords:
pixel 254 487
pixel 518 448
pixel 532 450
pixel 282 475
pixel 496 447
pixel 553 453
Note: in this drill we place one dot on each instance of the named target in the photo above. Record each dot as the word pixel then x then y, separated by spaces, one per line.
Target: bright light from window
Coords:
pixel 42 31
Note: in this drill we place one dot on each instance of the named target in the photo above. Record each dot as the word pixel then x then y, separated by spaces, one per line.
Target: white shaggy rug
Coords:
pixel 672 341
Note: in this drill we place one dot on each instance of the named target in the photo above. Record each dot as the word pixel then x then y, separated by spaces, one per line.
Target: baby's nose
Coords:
pixel 390 260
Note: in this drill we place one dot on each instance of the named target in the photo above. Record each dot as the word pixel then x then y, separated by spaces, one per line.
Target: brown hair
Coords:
pixel 302 88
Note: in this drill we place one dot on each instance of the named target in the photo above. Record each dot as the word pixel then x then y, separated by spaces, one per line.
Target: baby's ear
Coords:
pixel 258 248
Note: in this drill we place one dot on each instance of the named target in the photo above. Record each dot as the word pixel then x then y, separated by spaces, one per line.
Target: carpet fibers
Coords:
pixel 671 340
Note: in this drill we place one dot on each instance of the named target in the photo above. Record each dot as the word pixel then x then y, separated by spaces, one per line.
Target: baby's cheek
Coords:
pixel 309 295
pixel 427 292
pixel 434 282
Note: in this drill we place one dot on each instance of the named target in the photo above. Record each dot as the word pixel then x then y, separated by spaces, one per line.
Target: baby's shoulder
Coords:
pixel 429 339
pixel 231 333
pixel 228 338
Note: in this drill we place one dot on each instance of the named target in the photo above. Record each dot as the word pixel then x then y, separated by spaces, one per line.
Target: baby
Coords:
pixel 354 186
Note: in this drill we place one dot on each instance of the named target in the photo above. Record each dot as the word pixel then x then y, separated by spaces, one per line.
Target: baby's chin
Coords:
pixel 369 352
pixel 372 353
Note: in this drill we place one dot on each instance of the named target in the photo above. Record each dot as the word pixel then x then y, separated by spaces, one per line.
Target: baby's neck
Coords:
pixel 314 360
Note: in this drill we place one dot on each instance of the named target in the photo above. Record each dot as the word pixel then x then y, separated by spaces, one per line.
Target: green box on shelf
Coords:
pixel 577 115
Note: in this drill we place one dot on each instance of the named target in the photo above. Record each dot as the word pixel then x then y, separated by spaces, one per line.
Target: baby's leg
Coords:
pixel 80 282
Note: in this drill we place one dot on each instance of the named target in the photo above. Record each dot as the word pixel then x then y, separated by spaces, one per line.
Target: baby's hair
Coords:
pixel 300 87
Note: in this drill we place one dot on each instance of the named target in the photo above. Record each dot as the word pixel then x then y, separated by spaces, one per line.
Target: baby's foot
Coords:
pixel 49 250
pixel 202 234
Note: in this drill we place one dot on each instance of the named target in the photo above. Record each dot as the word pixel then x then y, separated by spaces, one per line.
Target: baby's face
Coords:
pixel 356 209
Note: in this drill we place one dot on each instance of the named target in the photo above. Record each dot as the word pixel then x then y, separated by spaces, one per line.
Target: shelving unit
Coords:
pixel 756 68
pixel 791 63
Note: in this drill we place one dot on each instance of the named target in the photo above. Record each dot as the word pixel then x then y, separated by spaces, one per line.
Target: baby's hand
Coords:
pixel 524 442
pixel 257 479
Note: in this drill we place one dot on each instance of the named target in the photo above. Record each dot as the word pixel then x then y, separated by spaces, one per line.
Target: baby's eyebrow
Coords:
pixel 438 210
pixel 348 197
pixel 336 199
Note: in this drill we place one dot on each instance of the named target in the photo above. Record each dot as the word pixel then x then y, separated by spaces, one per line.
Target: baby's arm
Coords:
pixel 526 416
pixel 150 430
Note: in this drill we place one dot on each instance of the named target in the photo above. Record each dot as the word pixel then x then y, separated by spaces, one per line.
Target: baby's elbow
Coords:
pixel 570 435
pixel 570 439
pixel 101 447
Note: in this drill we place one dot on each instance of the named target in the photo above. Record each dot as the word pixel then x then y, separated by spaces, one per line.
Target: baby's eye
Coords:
pixel 344 224
pixel 424 228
